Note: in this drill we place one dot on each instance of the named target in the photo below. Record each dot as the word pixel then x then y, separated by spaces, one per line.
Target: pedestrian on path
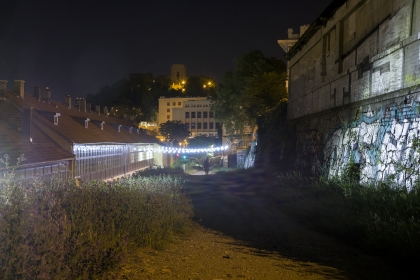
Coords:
pixel 206 165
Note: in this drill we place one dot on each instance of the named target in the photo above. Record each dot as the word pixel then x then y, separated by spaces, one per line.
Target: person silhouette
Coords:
pixel 206 165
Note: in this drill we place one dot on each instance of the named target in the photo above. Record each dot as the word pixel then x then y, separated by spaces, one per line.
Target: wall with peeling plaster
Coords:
pixel 354 89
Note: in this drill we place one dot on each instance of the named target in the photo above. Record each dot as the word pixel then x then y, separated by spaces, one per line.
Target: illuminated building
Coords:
pixel 86 144
pixel 195 112
pixel 178 76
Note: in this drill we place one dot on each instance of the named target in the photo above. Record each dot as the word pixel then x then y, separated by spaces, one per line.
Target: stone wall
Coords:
pixel 354 89
pixel 378 136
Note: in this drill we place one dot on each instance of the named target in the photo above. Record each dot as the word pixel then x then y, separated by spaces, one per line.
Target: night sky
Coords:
pixel 75 47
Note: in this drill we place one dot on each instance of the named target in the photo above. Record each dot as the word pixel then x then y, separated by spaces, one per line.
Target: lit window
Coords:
pixel 187 115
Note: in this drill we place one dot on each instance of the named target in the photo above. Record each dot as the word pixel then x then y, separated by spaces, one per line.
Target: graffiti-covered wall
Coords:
pixel 354 78
pixel 379 141
pixel 379 137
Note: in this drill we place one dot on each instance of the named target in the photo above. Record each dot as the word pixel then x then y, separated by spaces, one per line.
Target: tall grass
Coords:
pixel 65 231
pixel 382 218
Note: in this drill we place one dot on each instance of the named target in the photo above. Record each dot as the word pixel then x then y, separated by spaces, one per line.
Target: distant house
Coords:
pixel 56 137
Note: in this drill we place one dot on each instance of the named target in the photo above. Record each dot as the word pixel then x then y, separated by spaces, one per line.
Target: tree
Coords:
pixel 263 93
pixel 174 131
pixel 255 87
pixel 138 95
pixel 202 141
pixel 200 86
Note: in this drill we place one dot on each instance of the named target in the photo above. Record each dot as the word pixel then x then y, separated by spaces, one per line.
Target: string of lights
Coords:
pixel 175 150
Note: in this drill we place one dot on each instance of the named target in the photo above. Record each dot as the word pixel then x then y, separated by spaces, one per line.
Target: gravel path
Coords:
pixel 242 233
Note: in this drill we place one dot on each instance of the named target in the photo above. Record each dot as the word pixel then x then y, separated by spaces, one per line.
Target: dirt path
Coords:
pixel 243 234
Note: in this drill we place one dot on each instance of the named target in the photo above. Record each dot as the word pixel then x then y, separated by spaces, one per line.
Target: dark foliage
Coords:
pixel 276 140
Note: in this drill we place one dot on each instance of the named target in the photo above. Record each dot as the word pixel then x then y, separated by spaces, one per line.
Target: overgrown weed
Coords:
pixel 65 231
pixel 381 218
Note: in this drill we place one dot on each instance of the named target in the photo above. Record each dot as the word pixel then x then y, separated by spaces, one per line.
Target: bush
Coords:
pixel 150 172
pixel 65 231
pixel 381 218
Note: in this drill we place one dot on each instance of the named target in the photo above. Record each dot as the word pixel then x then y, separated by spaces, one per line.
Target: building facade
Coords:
pixel 195 112
pixel 354 89
pixel 86 144
pixel 287 44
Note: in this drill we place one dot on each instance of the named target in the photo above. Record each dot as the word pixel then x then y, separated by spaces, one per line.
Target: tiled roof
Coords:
pixel 14 144
pixel 53 142
pixel 71 123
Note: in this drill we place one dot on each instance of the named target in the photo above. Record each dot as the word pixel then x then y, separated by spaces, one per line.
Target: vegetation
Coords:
pixel 276 140
pixel 65 231
pixel 174 131
pixel 139 94
pixel 203 142
pixel 256 86
pixel 200 86
pixel 136 96
pixel 381 218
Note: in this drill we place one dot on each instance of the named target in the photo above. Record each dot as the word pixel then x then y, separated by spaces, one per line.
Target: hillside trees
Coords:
pixel 255 87
pixel 138 95
pixel 200 86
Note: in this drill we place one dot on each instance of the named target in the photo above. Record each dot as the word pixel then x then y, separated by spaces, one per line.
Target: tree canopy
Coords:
pixel 203 141
pixel 138 95
pixel 255 87
pixel 174 131
pixel 200 86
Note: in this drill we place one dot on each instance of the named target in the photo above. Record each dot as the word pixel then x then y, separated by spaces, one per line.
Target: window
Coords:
pixel 187 115
pixel 168 103
pixel 192 114
pixel 187 125
pixel 168 117
pixel 204 114
pixel 168 110
pixel 198 114
pixel 192 125
pixel 179 103
pixel 205 125
pixel 173 103
pixel 211 125
pixel 211 113
pixel 199 125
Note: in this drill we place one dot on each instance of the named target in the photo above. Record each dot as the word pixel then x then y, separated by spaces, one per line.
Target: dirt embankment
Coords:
pixel 244 234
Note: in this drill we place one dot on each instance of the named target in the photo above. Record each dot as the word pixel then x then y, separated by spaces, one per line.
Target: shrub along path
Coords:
pixel 243 233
